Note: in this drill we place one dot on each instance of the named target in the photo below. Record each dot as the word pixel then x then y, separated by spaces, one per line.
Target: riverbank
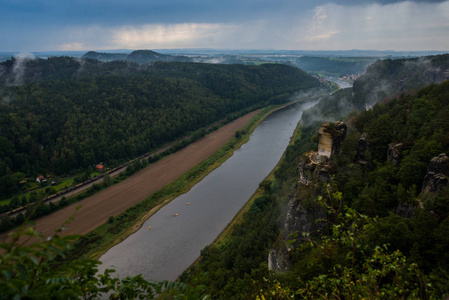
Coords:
pixel 226 234
pixel 181 229
pixel 117 199
pixel 98 241
pixel 116 227
pixel 94 245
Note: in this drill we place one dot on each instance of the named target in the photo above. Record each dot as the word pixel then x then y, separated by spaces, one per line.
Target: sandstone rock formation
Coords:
pixel 330 136
pixel 363 146
pixel 303 212
pixel 394 153
pixel 278 260
pixel 405 210
pixel 436 177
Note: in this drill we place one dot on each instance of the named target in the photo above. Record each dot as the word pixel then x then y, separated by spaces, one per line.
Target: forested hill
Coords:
pixel 25 70
pixel 61 125
pixel 370 222
pixel 138 56
pixel 384 80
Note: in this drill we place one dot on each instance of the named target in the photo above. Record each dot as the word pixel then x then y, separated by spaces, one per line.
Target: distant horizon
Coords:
pixel 354 52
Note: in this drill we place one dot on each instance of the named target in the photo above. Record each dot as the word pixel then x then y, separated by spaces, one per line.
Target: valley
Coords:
pixel 384 169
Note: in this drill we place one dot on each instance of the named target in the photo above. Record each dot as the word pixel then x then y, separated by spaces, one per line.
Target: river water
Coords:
pixel 180 229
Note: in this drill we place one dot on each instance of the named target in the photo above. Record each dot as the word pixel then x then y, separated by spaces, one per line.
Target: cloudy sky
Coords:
pixel 42 25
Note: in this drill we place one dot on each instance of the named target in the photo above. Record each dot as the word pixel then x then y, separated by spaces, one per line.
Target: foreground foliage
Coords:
pixel 40 270
pixel 353 268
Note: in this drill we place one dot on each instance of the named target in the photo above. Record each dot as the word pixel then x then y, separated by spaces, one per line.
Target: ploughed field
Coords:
pixel 114 200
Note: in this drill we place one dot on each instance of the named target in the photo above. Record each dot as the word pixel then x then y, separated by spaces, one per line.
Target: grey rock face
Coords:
pixel 362 146
pixel 405 210
pixel 303 219
pixel 304 215
pixel 278 261
pixel 439 164
pixel 394 153
pixel 437 172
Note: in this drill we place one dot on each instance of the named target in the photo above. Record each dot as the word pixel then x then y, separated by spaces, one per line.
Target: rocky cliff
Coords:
pixel 303 215
pixel 330 136
pixel 437 173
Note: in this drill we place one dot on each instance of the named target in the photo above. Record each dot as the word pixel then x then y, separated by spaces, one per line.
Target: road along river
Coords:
pixel 192 221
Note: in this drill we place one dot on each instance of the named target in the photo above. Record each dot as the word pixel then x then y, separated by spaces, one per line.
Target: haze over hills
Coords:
pixel 384 80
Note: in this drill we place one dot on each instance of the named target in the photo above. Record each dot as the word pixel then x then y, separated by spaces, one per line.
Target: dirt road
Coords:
pixel 114 200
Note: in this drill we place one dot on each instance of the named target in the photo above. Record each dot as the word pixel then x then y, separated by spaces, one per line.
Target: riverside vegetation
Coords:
pixel 63 115
pixel 72 258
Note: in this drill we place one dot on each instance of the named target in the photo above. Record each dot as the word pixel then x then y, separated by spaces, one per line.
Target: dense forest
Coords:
pixel 69 114
pixel 373 219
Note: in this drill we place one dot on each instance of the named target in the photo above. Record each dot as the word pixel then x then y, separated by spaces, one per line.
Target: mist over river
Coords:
pixel 174 242
pixel 342 84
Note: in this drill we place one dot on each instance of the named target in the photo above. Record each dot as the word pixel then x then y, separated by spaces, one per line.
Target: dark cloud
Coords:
pixel 117 12
pixel 51 23
pixel 356 2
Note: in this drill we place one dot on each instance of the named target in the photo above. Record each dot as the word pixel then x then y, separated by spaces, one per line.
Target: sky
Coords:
pixel 82 25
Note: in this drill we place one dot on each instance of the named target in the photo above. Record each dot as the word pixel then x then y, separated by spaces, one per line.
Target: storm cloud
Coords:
pixel 37 25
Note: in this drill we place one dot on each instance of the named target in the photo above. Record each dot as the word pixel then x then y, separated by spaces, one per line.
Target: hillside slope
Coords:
pixel 370 221
pixel 61 125
pixel 384 80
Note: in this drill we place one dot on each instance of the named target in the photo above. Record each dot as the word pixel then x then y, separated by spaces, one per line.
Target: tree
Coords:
pixel 349 267
pixel 14 203
pixel 106 180
pixel 357 271
pixel 41 271
pixel 238 134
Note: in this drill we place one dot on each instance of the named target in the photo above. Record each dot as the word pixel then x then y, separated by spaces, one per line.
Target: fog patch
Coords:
pixel 330 108
pixel 6 99
pixel 19 68
pixel 307 94
pixel 82 63
pixel 210 60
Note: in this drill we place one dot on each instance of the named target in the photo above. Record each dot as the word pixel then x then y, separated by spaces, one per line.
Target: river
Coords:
pixel 180 229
